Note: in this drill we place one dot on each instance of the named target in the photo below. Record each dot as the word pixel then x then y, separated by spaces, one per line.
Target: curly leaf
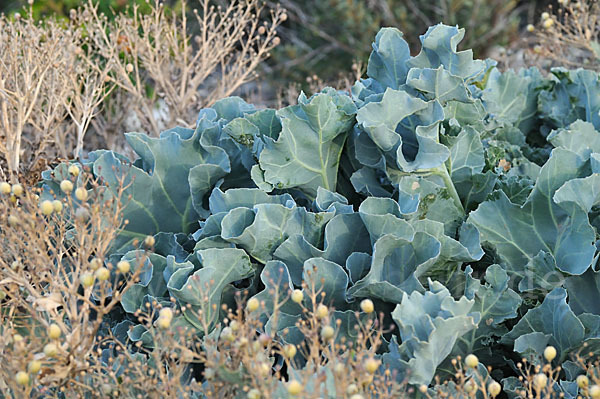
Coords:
pixel 519 232
pixel 307 153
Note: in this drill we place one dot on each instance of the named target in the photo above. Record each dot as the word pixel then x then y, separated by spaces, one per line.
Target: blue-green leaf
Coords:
pixel 518 233
pixel 553 317
pixel 307 153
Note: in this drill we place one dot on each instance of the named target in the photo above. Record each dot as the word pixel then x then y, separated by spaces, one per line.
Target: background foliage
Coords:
pixel 329 35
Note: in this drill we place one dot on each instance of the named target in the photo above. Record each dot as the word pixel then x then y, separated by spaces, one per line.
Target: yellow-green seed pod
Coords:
pixel 290 351
pixel 51 350
pixel 47 208
pixel 252 304
pixel 66 186
pixel 34 366
pixel 17 190
pixel 123 266
pixel 5 188
pixel 74 170
pixel 327 332
pixel 81 194
pixel 57 205
pixel 22 378
pixel 13 220
pixel 102 274
pixel 371 365
pixel 166 313
pixel 539 381
pixel 163 322
pixel 297 296
pixel 149 242
pixel 494 389
pixel 54 331
pixel 321 311
pixel 294 388
pixel 550 353
pixel 583 381
pixel 367 306
pixel 96 263
pixel 87 279
pixel 471 361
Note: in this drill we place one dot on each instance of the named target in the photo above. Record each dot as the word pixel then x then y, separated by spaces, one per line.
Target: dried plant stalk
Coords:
pixel 570 36
pixel 138 71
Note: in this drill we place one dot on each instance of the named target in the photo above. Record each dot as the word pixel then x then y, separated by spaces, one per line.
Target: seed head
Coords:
pixel 47 207
pixel 57 205
pixel 539 381
pixel 17 190
pixel 96 263
pixel 252 304
pixel 583 381
pixel 66 186
pixel 5 188
pixel 290 351
pixel 294 387
pixel 54 331
pixel 81 194
pixel 74 170
pixel 550 353
pixel 34 366
pixel 322 311
pixel 149 242
pixel 471 361
pixel 102 274
pixel 548 23
pixel 327 332
pixel 297 296
pixel 494 389
pixel 50 350
pixel 371 365
pixel 253 394
pixel 22 378
pixel 367 306
pixel 87 279
pixel 123 266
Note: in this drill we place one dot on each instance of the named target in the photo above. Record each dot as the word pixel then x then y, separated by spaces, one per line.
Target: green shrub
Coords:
pixel 461 201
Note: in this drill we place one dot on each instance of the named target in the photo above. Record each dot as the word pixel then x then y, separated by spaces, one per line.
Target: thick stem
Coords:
pixel 442 171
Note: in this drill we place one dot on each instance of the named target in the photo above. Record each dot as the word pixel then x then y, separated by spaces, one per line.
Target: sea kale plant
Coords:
pixel 460 200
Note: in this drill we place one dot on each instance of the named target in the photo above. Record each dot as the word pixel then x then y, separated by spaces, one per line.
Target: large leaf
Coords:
pixel 509 97
pixel 439 48
pixel 555 318
pixel 438 84
pixel 574 95
pixel 405 129
pixel 429 325
pixel 308 150
pixel 162 192
pixel 495 303
pixel 203 288
pixel 518 233
pixel 396 267
pixel 262 229
pixel 388 60
pixel 584 291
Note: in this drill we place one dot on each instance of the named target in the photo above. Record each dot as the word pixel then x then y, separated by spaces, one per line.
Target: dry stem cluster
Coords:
pixel 570 35
pixel 61 79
